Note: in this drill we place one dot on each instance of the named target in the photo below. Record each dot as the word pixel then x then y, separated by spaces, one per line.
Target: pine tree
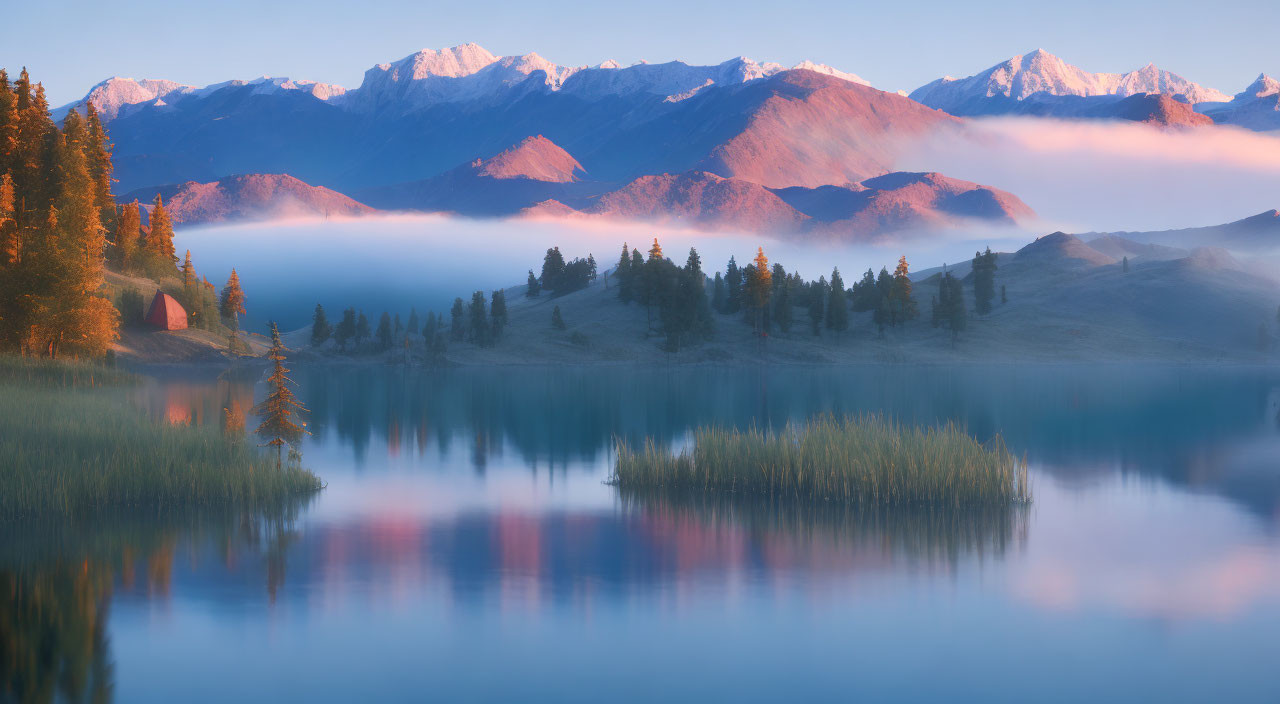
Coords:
pixel 533 288
pixel 717 296
pixel 557 321
pixel 623 273
pixel 591 267
pixel 161 257
pixel 457 326
pixel 781 295
pixel 732 288
pixel 128 236
pixel 320 329
pixel 98 152
pixel 866 296
pixel 984 280
pixel 817 305
pixel 279 408
pixel 346 329
pixel 363 331
pixel 652 272
pixel 903 306
pixel 231 307
pixel 479 327
pixel 759 288
pixel 188 271
pixel 552 269
pixel 837 307
pixel 498 312
pixel 384 335
pixel 412 328
pixel 1125 264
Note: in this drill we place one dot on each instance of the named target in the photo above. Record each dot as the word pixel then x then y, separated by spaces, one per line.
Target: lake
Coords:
pixel 467 548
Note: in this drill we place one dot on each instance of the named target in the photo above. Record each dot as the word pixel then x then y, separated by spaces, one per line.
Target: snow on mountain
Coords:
pixel 1256 107
pixel 1040 72
pixel 823 68
pixel 460 74
pixel 116 95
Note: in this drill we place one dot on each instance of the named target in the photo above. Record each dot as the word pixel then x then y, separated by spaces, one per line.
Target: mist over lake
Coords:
pixel 395 262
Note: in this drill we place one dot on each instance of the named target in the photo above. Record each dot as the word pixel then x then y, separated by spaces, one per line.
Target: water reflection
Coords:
pixel 58 581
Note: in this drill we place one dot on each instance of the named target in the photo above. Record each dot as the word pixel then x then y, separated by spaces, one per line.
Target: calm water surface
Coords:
pixel 467 549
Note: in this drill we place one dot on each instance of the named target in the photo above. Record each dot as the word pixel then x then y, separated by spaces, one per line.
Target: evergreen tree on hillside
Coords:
pixel 346 329
pixel 279 408
pixel 622 272
pixel 759 287
pixel 363 331
pixel 384 335
pixel 533 288
pixel 457 325
pixel 837 307
pixel 652 273
pixel 866 294
pixel 187 272
pixel 161 257
pixel 732 288
pixel 232 304
pixel 128 238
pixel 498 312
pixel 479 319
pixel 320 329
pixel 817 305
pixel 557 320
pixel 902 305
pixel 397 327
pixel 98 153
pixel 984 280
pixel 781 298
pixel 717 294
pixel 552 269
pixel 591 267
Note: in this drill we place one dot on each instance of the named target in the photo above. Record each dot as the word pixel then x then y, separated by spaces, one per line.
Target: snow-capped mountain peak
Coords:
pixel 1040 72
pixel 1262 87
pixel 827 70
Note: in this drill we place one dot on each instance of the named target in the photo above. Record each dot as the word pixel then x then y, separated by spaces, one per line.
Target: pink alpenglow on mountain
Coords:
pixel 536 158
pixel 875 207
pixel 249 197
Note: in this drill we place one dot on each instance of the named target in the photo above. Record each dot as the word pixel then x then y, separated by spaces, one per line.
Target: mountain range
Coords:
pixel 465 131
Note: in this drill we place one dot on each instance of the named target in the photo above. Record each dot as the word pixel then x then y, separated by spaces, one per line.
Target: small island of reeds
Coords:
pixel 867 459
pixel 72 443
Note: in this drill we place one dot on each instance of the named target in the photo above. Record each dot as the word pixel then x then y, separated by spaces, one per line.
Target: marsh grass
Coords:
pixel 71 442
pixel 865 459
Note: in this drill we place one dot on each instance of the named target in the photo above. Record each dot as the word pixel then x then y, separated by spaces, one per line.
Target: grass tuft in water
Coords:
pixel 856 459
pixel 71 443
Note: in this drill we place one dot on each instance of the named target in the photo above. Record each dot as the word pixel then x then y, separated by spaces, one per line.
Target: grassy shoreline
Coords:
pixel 856 459
pixel 72 443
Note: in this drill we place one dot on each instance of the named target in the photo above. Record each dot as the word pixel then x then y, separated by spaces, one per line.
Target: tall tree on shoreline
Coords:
pixel 984 280
pixel 320 328
pixel 837 308
pixel 231 306
pixel 279 408
pixel 759 287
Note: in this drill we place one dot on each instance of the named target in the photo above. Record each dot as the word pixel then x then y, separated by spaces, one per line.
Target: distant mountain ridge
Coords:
pixel 1042 73
pixel 247 197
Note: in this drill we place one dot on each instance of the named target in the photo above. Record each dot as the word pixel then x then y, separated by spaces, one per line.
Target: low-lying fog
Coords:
pixel 395 262
pixel 1083 176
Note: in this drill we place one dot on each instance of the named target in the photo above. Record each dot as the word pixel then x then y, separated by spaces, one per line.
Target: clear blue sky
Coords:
pixel 70 45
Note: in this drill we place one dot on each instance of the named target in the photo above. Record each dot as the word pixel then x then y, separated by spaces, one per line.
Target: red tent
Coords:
pixel 166 313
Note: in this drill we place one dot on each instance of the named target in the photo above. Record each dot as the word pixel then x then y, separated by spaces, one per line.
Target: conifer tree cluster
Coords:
pixel 949 308
pixel 560 277
pixel 56 210
pixel 984 280
pixel 674 297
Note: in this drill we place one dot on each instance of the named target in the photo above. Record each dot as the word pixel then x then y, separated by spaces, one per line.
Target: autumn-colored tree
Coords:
pixel 759 287
pixel 902 305
pixel 161 256
pixel 98 153
pixel 128 235
pixel 281 405
pixel 231 306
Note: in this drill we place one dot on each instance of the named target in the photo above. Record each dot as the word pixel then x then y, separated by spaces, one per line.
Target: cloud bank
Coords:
pixel 1110 176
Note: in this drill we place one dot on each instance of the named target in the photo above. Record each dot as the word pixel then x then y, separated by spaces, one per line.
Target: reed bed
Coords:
pixel 866 459
pixel 69 449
